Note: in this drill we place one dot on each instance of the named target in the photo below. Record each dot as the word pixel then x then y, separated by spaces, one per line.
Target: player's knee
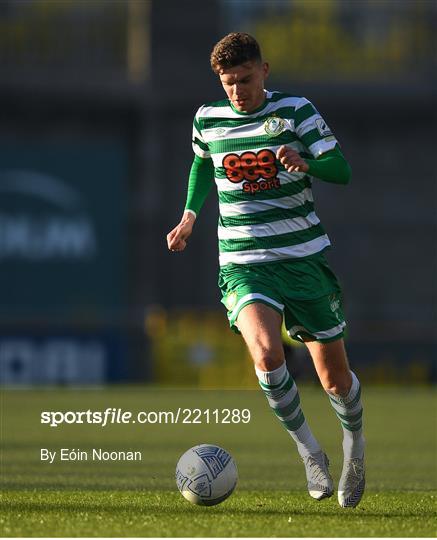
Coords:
pixel 266 360
pixel 338 386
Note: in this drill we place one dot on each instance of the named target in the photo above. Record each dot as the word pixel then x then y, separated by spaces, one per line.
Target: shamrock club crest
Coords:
pixel 274 126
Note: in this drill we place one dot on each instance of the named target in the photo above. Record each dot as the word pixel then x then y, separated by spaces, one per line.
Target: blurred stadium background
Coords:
pixel 97 100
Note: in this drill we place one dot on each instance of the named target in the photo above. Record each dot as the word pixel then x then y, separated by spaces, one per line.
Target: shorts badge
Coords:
pixel 334 303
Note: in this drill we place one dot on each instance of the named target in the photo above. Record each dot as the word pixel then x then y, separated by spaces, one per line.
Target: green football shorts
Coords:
pixel 305 292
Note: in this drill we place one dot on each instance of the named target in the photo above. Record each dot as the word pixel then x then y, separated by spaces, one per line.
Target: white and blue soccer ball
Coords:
pixel 206 474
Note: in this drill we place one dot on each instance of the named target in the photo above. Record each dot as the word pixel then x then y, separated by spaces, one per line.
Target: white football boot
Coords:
pixel 319 480
pixel 352 483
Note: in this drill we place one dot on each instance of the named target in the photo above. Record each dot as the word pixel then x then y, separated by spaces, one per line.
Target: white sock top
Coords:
pixel 272 377
pixel 354 389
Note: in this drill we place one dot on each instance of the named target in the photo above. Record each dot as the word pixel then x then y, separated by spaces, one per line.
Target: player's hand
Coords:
pixel 177 238
pixel 291 160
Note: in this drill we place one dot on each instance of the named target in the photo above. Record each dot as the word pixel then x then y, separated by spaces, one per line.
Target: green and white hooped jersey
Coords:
pixel 266 213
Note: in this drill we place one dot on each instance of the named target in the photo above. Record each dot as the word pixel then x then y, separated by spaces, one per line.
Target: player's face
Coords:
pixel 244 85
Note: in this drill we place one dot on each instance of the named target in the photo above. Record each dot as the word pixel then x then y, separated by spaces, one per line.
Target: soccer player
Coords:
pixel 264 149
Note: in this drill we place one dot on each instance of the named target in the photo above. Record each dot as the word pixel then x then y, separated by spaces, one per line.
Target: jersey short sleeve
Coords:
pixel 200 147
pixel 312 130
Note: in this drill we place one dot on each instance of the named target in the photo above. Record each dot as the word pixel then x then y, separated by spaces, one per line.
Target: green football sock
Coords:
pixel 283 397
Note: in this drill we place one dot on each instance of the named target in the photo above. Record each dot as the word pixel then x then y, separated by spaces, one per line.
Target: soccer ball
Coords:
pixel 206 474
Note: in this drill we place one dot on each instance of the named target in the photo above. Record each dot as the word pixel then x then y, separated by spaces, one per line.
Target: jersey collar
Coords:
pixel 257 110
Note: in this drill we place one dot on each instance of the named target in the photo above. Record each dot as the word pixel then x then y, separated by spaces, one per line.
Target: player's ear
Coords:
pixel 266 69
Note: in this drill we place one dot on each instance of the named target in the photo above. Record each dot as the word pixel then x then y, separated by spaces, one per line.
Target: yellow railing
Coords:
pixel 328 40
pixel 197 348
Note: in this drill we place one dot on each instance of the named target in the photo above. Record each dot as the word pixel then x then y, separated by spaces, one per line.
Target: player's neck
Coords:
pixel 258 105
pixel 260 101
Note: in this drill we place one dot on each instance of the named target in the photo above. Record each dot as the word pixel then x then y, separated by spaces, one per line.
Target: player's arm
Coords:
pixel 331 166
pixel 328 164
pixel 199 186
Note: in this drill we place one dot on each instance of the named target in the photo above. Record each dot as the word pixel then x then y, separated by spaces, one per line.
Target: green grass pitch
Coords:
pixel 130 499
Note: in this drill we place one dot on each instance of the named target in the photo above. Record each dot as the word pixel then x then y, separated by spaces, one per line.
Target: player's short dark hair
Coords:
pixel 233 50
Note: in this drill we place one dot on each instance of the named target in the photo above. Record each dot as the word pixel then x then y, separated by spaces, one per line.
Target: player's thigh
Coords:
pixel 260 326
pixel 331 364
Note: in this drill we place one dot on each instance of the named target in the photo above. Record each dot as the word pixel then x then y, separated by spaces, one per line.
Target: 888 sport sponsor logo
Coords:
pixel 257 171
